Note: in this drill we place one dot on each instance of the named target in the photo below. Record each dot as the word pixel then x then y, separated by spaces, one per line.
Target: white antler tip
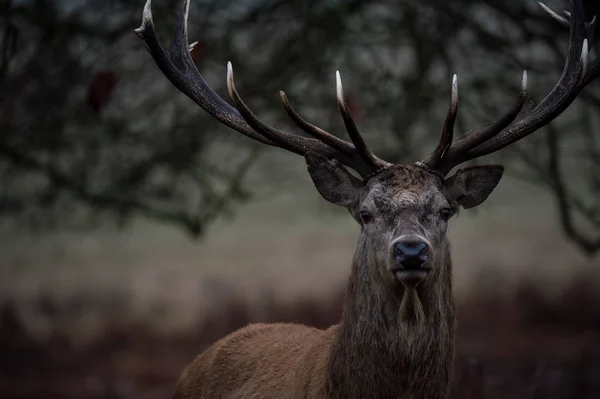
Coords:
pixel 146 18
pixel 339 87
pixel 282 96
pixel 524 81
pixel 545 7
pixel 230 83
pixel 584 57
pixel 584 51
pixel 454 90
pixel 562 20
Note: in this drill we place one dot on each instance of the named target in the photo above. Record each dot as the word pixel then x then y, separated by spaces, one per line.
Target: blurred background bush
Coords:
pixel 136 230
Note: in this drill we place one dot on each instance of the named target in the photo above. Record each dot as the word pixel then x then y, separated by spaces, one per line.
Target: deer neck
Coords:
pixel 393 342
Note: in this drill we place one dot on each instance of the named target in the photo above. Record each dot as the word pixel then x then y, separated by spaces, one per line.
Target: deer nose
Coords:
pixel 411 253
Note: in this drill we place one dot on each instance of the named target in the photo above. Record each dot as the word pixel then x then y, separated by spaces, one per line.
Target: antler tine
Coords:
pixel 576 75
pixel 447 131
pixel 572 80
pixel 590 32
pixel 351 128
pixel 313 130
pixel 561 20
pixel 590 27
pixel 299 145
pixel 474 139
pixel 585 55
pixel 285 140
pixel 178 66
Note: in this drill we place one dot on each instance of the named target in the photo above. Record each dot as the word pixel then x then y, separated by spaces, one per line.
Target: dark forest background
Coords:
pixel 94 141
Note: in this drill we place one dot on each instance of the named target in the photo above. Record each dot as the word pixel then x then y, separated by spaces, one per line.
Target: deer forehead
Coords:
pixel 395 199
pixel 404 187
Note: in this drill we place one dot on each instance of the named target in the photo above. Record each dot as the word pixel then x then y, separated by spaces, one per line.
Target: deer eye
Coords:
pixel 366 216
pixel 446 213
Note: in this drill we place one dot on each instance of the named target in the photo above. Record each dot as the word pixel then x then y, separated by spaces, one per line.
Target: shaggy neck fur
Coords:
pixel 394 342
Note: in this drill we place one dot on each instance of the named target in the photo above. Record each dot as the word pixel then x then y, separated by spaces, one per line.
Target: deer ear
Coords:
pixel 332 180
pixel 469 187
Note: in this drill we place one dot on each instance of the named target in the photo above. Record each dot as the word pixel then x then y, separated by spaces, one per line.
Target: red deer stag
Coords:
pixel 396 337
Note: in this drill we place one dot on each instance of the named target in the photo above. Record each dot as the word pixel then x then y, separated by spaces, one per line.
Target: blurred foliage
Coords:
pixel 92 132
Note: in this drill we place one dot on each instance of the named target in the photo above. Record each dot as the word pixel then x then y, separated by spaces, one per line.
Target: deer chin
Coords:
pixel 411 278
pixel 411 308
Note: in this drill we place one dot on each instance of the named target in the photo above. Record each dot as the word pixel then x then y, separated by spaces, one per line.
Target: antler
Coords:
pixel 576 75
pixel 447 131
pixel 176 64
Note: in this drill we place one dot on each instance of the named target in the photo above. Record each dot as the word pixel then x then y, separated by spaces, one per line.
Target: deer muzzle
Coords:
pixel 409 260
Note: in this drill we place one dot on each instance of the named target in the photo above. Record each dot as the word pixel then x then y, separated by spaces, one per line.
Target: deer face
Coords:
pixel 404 210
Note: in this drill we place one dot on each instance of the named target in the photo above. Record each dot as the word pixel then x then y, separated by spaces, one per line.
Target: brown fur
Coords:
pixel 392 342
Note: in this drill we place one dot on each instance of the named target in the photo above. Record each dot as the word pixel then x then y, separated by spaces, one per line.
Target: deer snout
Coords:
pixel 409 259
pixel 411 252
